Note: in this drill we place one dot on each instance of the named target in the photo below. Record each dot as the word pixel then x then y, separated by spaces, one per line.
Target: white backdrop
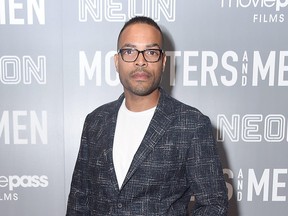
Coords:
pixel 228 58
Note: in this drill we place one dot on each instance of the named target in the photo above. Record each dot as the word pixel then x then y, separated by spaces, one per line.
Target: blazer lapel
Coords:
pixel 155 131
pixel 110 126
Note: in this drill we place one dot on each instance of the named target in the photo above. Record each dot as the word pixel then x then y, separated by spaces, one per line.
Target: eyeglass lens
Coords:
pixel 150 55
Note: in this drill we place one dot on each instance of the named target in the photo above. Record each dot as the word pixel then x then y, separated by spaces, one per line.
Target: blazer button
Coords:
pixel 119 205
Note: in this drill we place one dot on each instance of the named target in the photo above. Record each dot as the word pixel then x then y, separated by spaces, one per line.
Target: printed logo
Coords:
pixel 12 183
pixel 23 127
pixel 111 11
pixel 21 13
pixel 272 10
pixel 252 128
pixel 15 70
pixel 200 68
pixel 251 185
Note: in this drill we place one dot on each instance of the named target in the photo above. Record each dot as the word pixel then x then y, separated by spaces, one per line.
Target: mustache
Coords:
pixel 140 69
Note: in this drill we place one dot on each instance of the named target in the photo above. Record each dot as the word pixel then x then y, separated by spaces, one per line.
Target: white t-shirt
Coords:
pixel 130 130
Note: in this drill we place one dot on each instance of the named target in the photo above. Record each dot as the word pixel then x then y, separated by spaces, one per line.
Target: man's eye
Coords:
pixel 128 52
pixel 152 52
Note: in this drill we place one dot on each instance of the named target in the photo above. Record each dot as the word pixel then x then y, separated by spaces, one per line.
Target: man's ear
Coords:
pixel 163 62
pixel 116 56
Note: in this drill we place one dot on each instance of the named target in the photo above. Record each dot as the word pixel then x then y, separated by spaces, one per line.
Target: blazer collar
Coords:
pixel 158 125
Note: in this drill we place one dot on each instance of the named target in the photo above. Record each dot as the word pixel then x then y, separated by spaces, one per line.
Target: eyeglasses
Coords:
pixel 150 55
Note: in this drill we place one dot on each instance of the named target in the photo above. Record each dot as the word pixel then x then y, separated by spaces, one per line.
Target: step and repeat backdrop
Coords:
pixel 228 58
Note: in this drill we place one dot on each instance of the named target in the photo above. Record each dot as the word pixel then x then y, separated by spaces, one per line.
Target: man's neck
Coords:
pixel 137 103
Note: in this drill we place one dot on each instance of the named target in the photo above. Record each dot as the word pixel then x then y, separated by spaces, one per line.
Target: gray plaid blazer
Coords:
pixel 176 159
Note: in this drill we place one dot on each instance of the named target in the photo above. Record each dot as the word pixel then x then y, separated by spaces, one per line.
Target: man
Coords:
pixel 146 153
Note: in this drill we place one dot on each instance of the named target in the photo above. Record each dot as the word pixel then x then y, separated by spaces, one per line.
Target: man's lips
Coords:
pixel 140 75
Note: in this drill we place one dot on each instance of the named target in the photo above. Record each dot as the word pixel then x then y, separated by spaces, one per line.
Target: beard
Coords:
pixel 141 87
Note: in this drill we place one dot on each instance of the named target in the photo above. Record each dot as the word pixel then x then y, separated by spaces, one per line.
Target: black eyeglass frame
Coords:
pixel 142 52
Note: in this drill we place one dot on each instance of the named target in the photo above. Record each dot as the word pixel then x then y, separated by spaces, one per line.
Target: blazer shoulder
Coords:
pixel 181 109
pixel 104 111
pixel 192 118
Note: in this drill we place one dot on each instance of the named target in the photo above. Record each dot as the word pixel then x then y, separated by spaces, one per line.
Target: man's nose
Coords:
pixel 140 61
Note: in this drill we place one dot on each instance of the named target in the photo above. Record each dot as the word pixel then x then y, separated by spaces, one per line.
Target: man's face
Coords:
pixel 140 77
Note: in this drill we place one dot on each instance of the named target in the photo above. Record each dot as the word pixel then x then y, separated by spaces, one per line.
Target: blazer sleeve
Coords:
pixel 206 174
pixel 78 199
